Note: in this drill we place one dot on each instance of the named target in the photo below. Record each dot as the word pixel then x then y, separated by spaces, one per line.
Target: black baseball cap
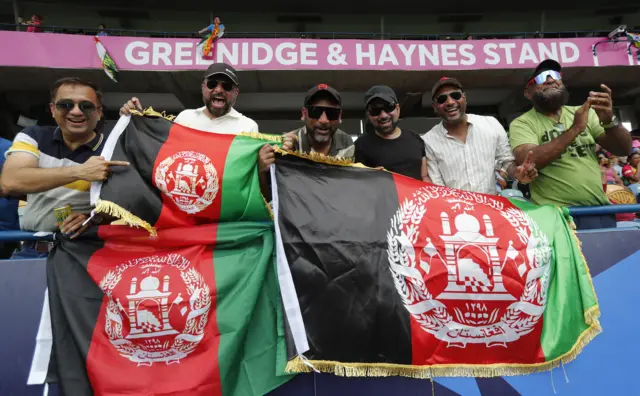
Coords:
pixel 224 69
pixel 445 82
pixel 325 89
pixel 547 64
pixel 380 91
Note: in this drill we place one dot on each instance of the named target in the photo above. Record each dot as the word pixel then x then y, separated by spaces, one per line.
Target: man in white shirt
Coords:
pixel 220 89
pixel 462 150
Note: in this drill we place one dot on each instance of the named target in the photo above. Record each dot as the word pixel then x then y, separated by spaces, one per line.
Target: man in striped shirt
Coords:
pixel 54 166
pixel 463 149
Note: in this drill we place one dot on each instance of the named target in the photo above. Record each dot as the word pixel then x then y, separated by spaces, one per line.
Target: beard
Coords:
pixel 217 111
pixel 387 129
pixel 550 101
pixel 320 134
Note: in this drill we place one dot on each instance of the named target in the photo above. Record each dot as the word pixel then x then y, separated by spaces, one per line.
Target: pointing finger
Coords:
pixel 117 163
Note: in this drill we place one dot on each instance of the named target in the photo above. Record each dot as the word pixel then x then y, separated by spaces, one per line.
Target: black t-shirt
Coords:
pixel 401 155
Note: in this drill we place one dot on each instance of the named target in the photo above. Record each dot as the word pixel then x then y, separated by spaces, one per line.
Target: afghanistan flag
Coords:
pixel 193 309
pixel 394 276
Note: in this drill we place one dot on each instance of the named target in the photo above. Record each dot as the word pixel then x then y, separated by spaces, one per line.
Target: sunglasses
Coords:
pixel 375 111
pixel 542 77
pixel 66 105
pixel 226 85
pixel 332 113
pixel 455 95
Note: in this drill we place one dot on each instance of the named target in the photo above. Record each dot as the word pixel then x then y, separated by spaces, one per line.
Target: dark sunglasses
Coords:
pixel 375 111
pixel 226 85
pixel 66 105
pixel 455 95
pixel 315 112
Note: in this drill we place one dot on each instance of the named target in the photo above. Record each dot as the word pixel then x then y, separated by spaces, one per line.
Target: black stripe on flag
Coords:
pixel 131 187
pixel 334 222
pixel 74 303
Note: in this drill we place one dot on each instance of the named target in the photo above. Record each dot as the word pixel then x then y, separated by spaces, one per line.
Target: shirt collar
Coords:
pixel 94 144
pixel 233 113
pixel 443 130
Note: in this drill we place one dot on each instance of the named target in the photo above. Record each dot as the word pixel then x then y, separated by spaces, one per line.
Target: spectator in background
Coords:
pixel 563 138
pixel 33 25
pixel 610 176
pixel 101 30
pixel 397 150
pixel 54 166
pixel 631 171
pixel 615 164
pixel 322 115
pixel 463 149
pixel 8 209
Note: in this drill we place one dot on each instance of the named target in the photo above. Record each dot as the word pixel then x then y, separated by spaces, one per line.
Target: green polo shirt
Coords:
pixel 574 179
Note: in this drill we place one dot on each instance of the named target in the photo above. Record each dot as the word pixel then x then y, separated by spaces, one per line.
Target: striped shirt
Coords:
pixel 46 144
pixel 468 166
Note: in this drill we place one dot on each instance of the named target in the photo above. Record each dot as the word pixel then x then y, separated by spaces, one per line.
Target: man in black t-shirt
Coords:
pixel 397 150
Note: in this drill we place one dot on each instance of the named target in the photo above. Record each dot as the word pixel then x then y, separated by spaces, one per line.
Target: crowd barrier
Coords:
pixel 606 366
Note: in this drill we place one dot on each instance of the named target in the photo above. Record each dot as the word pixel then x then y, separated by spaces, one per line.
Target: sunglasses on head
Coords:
pixel 455 95
pixel 226 85
pixel 332 113
pixel 542 77
pixel 375 110
pixel 66 105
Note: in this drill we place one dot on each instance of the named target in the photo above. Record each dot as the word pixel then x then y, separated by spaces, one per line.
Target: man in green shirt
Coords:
pixel 563 138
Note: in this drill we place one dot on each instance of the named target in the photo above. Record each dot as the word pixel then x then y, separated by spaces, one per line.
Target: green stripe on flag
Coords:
pixel 241 197
pixel 566 319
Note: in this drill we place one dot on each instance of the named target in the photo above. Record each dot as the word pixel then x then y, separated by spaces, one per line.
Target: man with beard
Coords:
pixel 397 150
pixel 322 114
pixel 220 89
pixel 563 140
pixel 464 150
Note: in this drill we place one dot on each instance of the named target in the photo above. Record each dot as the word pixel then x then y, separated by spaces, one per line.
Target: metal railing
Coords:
pixel 314 35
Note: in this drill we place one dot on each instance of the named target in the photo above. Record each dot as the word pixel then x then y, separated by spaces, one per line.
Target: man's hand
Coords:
pixel 133 104
pixel 97 169
pixel 581 116
pixel 526 172
pixel 266 157
pixel 289 141
pixel 602 103
pixel 72 225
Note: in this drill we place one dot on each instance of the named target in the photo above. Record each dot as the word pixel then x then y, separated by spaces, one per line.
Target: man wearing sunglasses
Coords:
pixel 463 150
pixel 322 115
pixel 563 140
pixel 220 90
pixel 54 166
pixel 397 150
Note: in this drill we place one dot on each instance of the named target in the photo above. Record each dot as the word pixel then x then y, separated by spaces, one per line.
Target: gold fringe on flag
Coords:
pixel 123 215
pixel 321 158
pixel 150 112
pixel 262 136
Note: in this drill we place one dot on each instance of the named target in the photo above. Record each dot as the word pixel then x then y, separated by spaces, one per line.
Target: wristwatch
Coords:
pixel 614 123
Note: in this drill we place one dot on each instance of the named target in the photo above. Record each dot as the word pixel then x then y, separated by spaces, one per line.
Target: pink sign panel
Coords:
pixel 135 53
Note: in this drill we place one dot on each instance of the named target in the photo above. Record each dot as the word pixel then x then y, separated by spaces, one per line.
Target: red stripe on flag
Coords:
pixel 157 331
pixel 188 171
pixel 459 251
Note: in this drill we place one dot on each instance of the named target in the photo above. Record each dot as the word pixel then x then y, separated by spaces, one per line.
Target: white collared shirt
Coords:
pixel 468 166
pixel 231 123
